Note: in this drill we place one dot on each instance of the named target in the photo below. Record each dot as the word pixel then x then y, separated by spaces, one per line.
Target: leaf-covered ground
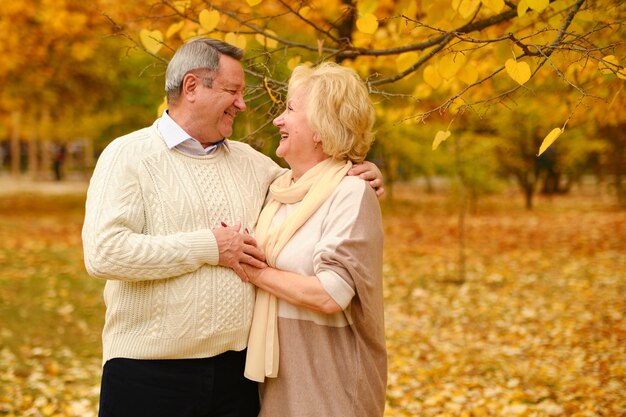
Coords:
pixel 537 328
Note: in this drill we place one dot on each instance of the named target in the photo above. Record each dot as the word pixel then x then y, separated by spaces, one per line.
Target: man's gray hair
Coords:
pixel 197 54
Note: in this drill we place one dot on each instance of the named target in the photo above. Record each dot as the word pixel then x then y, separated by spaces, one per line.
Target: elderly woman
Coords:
pixel 321 299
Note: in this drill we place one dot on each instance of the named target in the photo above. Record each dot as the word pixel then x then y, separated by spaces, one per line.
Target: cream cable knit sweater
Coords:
pixel 147 230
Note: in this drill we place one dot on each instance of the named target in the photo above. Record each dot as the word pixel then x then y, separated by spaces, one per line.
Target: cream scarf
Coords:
pixel 313 188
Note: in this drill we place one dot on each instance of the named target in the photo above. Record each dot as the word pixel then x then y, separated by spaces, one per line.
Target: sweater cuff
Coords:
pixel 203 247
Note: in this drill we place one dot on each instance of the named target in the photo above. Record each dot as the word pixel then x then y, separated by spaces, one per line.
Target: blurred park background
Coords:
pixel 501 134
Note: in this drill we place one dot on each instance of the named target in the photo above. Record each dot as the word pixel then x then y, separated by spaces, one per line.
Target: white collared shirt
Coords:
pixel 176 137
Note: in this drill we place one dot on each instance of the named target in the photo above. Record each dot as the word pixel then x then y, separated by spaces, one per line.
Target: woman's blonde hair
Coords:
pixel 339 109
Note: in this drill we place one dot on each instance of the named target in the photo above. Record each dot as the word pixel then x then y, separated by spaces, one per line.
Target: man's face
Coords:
pixel 218 105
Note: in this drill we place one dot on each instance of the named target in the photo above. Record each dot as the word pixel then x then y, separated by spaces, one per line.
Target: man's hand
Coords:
pixel 369 172
pixel 236 249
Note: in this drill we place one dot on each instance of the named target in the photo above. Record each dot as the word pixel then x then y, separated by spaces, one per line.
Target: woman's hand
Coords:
pixel 252 273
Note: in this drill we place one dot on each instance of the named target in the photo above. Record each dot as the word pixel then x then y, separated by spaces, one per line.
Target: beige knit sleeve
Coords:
pixel 114 240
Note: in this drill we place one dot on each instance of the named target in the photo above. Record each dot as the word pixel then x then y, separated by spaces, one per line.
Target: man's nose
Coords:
pixel 240 103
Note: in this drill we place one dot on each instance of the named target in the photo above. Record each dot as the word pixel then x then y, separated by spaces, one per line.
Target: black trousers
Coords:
pixel 210 387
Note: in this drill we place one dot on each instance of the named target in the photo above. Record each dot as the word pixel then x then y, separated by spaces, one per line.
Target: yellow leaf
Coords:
pixel 450 65
pixel 209 19
pixel 367 6
pixel 555 21
pixel 405 60
pixel 367 24
pixel 265 41
pixel 422 91
pixel 494 5
pixel 253 2
pixel 181 5
pixel 187 33
pixel 608 65
pixel 151 40
pixel 440 137
pixel 549 140
pixel 271 43
pixel 305 11
pixel 293 62
pixel 455 105
pixel 173 29
pixel 235 39
pixel 585 16
pixel 538 5
pixel 431 76
pixel 411 10
pixel 468 74
pixel 519 71
pixel 522 7
pixel 467 7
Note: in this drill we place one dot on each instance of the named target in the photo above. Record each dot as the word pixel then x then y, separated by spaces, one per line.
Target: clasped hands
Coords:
pixel 238 251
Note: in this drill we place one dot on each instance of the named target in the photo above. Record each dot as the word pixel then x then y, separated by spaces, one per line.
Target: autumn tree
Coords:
pixel 439 57
pixel 60 72
pixel 439 64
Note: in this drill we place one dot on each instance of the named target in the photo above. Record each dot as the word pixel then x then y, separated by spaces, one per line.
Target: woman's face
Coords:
pixel 297 145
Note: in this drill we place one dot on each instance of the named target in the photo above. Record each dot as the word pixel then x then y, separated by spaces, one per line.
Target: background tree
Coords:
pixel 423 61
pixel 60 73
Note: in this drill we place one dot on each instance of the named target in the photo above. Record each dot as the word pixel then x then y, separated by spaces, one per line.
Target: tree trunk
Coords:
pixel 15 143
pixel 33 166
pixel 89 158
pixel 528 197
pixel 46 158
pixel 346 25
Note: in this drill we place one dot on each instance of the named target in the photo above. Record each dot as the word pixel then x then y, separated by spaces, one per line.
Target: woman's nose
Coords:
pixel 278 120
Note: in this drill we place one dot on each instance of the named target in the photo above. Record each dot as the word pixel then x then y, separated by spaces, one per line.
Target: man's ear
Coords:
pixel 191 83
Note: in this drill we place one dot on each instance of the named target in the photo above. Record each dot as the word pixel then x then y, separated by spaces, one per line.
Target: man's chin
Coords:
pixel 226 132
